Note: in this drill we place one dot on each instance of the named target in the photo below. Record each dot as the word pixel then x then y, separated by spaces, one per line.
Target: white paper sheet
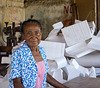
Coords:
pixel 58 25
pixel 74 72
pixel 98 35
pixel 77 21
pixel 57 63
pixel 52 65
pixel 71 71
pixel 92 59
pixel 5 60
pixel 55 68
pixel 76 33
pixel 92 27
pixel 4 84
pixel 61 62
pixel 95 43
pixel 58 75
pixel 55 38
pixel 53 32
pixel 53 49
pixel 78 50
pixel 74 62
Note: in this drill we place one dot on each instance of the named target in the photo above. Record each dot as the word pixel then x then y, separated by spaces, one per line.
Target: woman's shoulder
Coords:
pixel 20 47
pixel 17 50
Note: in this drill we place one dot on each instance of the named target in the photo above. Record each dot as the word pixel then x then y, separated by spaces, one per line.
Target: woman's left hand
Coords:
pixel 54 82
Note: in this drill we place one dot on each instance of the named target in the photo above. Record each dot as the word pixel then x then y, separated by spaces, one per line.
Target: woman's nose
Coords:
pixel 33 36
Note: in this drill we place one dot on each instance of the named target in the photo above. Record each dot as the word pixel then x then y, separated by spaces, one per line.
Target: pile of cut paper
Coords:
pixel 78 40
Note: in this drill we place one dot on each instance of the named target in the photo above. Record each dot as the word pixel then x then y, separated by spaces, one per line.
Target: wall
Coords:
pixel 98 15
pixel 10 11
pixel 86 9
pixel 49 12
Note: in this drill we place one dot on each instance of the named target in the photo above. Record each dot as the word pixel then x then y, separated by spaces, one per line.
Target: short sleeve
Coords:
pixel 15 65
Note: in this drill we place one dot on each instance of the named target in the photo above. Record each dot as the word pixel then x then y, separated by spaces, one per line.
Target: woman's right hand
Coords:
pixel 17 82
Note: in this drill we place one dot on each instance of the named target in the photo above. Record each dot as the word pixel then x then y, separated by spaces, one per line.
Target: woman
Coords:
pixel 29 68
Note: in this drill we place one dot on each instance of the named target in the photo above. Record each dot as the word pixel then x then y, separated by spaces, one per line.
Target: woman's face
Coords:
pixel 32 34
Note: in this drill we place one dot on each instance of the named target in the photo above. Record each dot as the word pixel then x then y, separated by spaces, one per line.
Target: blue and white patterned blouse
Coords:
pixel 24 65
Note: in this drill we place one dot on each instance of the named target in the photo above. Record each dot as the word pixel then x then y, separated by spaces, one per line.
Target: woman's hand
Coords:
pixel 17 82
pixel 54 82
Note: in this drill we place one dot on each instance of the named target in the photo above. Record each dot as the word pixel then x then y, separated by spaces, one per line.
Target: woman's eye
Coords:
pixel 29 33
pixel 36 32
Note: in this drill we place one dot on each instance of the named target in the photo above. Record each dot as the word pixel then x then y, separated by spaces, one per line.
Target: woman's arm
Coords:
pixel 17 82
pixel 54 82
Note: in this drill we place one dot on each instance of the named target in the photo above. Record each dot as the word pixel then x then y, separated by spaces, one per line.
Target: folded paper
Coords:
pixel 94 43
pixel 98 35
pixel 78 71
pixel 78 50
pixel 61 62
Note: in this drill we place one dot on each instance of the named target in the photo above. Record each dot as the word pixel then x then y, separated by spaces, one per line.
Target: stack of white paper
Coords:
pixel 76 33
pixel 53 49
pixel 78 50
pixel 91 25
pixel 55 57
pixel 75 37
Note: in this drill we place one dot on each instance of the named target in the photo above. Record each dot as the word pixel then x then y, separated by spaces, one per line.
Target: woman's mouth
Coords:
pixel 33 41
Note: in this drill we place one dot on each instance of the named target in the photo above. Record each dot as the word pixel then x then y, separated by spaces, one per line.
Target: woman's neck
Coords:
pixel 34 48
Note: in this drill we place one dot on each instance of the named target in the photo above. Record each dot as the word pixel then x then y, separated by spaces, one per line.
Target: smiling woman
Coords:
pixel 29 67
pixel 32 34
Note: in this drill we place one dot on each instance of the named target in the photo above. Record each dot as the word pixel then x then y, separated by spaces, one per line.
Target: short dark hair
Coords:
pixel 30 21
